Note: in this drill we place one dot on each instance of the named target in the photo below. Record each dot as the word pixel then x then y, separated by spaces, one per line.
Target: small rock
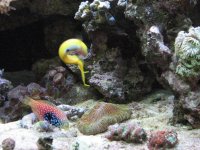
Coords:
pixel 28 120
pixel 72 112
pixel 8 144
pixel 58 78
pixel 44 126
pixel 45 143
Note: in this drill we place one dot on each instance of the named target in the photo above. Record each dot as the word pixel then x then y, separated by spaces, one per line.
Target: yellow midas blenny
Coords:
pixel 70 52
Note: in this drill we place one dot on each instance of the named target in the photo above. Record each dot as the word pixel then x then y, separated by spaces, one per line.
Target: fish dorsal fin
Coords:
pixel 47 102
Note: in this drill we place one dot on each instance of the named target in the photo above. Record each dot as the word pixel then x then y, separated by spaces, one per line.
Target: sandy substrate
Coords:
pixel 153 113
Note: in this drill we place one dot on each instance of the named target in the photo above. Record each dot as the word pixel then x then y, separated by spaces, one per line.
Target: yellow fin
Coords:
pixel 80 66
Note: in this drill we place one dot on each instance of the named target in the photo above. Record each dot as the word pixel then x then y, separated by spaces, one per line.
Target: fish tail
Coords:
pixel 26 100
pixel 81 67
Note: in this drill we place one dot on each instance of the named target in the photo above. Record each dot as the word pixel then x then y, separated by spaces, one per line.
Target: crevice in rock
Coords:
pixel 125 38
pixel 194 15
pixel 22 46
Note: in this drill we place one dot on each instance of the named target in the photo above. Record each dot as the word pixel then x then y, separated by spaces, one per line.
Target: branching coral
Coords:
pixel 187 49
pixel 101 116
pixel 5 6
pixel 129 132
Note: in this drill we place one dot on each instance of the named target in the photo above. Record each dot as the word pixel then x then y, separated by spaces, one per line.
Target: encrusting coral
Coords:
pixel 101 116
pixel 162 139
pixel 129 132
pixel 187 49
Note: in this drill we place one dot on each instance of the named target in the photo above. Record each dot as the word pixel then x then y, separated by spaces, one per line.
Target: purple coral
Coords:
pixel 129 132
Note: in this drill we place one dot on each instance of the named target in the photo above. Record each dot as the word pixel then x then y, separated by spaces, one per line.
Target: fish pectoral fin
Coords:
pixel 86 71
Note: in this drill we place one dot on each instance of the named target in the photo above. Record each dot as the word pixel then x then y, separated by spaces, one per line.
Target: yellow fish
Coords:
pixel 71 51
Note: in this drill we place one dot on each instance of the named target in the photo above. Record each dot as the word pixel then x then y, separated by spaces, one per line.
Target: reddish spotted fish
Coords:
pixel 45 110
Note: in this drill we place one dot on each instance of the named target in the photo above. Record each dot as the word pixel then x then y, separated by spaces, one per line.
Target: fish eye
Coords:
pixel 67 50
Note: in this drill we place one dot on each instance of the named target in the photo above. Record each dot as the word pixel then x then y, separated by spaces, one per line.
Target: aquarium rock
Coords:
pixel 28 120
pixel 5 6
pixel 72 112
pixel 5 86
pixel 95 14
pixel 187 109
pixel 155 50
pixel 8 144
pixel 45 143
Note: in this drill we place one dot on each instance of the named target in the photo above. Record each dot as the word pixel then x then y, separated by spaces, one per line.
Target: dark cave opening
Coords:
pixel 22 46
pixel 194 15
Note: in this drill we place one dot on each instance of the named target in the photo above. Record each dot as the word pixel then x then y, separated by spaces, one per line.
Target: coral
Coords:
pixel 101 116
pixel 162 139
pixel 129 132
pixel 187 49
pixel 95 14
pixel 8 144
pixel 5 6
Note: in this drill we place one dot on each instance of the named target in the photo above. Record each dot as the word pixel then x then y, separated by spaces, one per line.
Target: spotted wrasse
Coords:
pixel 45 110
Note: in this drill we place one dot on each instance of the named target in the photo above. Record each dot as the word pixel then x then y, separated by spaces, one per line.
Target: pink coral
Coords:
pixel 162 139
pixel 129 132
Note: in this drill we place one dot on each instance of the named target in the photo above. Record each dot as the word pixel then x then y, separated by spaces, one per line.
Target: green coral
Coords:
pixel 187 50
pixel 101 116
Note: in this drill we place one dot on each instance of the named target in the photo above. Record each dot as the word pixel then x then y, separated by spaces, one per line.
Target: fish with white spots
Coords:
pixel 45 110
